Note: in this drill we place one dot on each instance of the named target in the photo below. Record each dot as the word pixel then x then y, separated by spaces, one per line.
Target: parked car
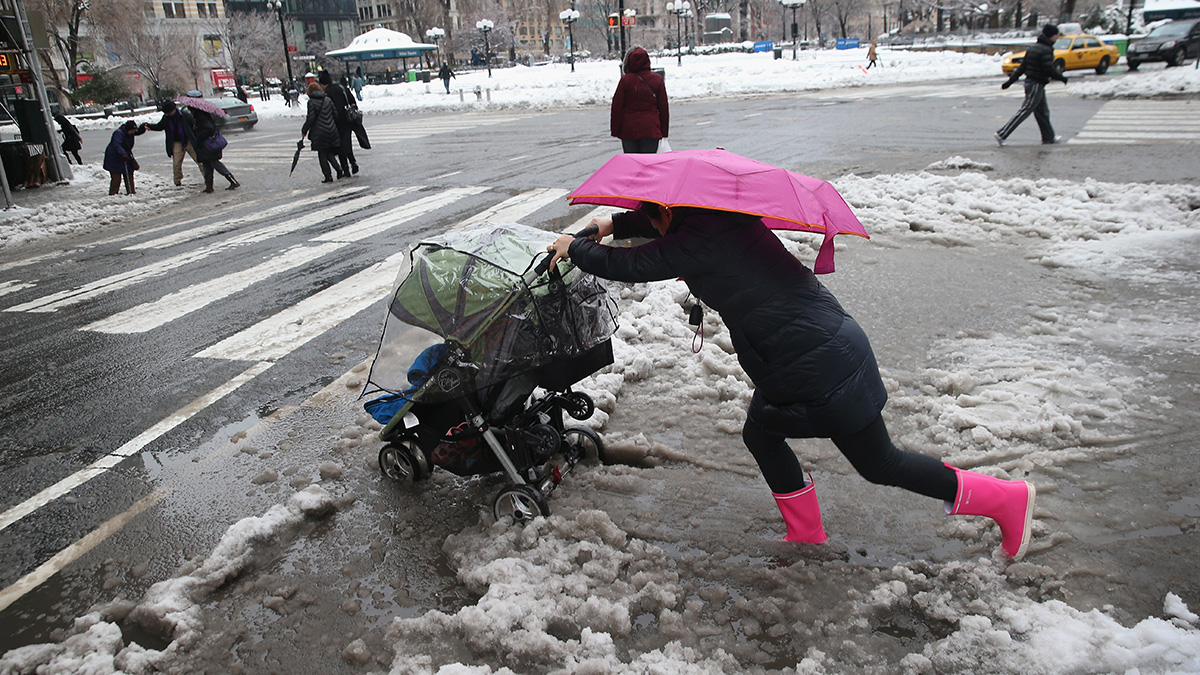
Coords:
pixel 237 114
pixel 1074 52
pixel 1171 42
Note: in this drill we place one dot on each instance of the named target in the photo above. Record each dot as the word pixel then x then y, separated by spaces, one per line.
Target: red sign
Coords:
pixel 629 21
pixel 222 78
pixel 291 48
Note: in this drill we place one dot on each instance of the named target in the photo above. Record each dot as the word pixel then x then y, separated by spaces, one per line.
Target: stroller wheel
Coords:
pixel 583 445
pixel 579 405
pixel 519 504
pixel 403 461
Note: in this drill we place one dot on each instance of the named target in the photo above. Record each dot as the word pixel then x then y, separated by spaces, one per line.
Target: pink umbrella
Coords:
pixel 201 104
pixel 716 179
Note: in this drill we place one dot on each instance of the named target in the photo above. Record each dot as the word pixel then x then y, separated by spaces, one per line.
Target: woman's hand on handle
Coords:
pixel 603 225
pixel 561 249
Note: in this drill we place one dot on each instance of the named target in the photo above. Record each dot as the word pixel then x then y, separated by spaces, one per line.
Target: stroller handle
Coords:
pixel 544 266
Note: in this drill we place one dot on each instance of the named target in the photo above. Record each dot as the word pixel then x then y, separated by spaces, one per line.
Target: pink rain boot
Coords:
pixel 802 515
pixel 1008 502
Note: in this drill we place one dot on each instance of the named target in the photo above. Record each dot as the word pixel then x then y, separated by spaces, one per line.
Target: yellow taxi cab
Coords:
pixel 1074 52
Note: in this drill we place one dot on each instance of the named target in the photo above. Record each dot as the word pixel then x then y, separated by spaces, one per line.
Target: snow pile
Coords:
pixel 964 209
pixel 554 593
pixel 1170 82
pixel 85 206
pixel 171 608
pixel 1012 633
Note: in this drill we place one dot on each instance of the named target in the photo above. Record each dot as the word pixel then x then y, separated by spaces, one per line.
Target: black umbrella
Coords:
pixel 296 157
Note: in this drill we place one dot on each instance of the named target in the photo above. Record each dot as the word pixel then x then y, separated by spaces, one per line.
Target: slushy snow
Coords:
pixel 565 593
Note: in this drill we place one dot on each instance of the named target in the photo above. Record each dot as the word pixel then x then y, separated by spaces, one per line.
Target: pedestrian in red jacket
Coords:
pixel 640 115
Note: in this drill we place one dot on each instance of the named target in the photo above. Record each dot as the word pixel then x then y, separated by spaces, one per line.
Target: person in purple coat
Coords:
pixel 118 157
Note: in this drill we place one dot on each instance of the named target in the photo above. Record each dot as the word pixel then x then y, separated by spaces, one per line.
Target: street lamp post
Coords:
pixel 569 17
pixel 279 7
pixel 436 34
pixel 485 26
pixel 794 5
pixel 679 9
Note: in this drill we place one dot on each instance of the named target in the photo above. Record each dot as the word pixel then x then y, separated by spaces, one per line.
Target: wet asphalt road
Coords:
pixel 70 397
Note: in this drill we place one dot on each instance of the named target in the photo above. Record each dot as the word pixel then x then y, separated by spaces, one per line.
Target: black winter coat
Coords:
pixel 341 101
pixel 812 364
pixel 320 125
pixel 187 122
pixel 1038 63
pixel 204 127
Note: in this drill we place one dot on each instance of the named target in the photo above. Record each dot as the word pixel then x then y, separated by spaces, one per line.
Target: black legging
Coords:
pixel 870 451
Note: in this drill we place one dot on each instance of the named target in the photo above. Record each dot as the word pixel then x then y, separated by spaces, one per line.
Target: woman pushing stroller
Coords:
pixel 813 369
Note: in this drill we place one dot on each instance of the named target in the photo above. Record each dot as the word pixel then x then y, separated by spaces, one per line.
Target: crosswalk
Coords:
pixel 940 90
pixel 1142 121
pixel 382 132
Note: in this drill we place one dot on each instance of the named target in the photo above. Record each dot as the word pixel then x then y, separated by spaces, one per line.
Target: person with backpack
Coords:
pixel 640 116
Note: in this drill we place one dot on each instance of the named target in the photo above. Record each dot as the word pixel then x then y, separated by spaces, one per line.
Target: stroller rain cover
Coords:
pixel 477 288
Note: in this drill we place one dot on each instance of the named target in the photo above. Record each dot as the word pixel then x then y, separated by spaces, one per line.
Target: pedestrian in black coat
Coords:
pixel 1038 68
pixel 180 137
pixel 72 142
pixel 210 158
pixel 341 108
pixel 320 127
pixel 445 74
pixel 812 366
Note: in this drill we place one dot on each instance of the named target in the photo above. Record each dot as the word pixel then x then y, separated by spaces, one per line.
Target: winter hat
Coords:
pixel 129 126
pixel 324 77
pixel 167 106
pixel 1050 30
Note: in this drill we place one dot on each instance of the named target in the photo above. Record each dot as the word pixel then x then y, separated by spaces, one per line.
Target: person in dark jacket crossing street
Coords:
pixel 320 127
pixel 640 115
pixel 180 136
pixel 1038 68
pixel 338 95
pixel 813 369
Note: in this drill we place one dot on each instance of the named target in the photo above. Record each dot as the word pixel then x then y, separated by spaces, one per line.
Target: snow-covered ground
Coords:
pixel 573 593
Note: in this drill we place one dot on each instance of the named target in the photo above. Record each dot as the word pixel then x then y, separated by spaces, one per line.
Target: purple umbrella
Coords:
pixel 201 104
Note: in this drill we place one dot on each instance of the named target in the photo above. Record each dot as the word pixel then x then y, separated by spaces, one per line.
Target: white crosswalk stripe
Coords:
pixel 56 301
pixel 1142 121
pixel 279 335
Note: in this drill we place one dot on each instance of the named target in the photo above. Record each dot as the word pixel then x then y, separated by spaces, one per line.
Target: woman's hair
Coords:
pixel 652 210
pixel 313 86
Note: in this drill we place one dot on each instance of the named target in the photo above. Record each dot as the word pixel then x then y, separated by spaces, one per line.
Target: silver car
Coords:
pixel 237 114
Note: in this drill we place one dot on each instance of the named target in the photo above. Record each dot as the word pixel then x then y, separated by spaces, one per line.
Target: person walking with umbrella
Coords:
pixel 321 128
pixel 812 366
pixel 640 115
pixel 210 144
pixel 118 157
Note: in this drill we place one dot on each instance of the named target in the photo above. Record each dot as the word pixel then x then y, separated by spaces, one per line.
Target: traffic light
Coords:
pixel 614 20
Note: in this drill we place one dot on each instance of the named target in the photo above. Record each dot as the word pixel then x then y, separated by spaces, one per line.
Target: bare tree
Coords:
pixel 64 21
pixel 251 41
pixel 151 47
pixel 844 11
pixel 817 8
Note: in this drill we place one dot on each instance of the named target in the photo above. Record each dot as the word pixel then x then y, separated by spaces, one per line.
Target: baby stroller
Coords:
pixel 492 396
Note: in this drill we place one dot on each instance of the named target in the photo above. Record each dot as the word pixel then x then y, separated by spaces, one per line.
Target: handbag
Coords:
pixel 354 115
pixel 663 145
pixel 215 143
pixel 133 163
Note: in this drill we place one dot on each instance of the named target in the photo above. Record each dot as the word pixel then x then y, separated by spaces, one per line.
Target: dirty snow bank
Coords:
pixel 171 608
